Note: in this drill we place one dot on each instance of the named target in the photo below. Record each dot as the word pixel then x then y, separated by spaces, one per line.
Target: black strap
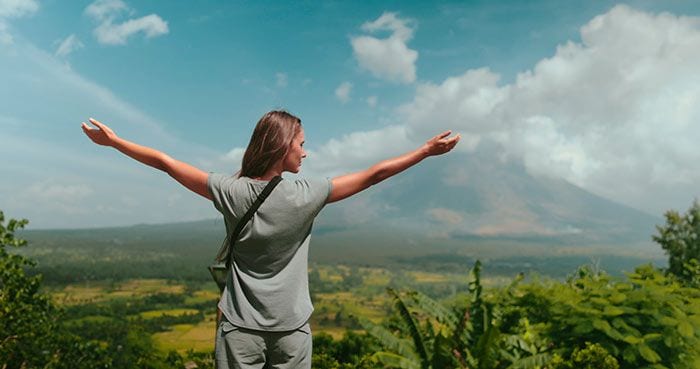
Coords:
pixel 249 214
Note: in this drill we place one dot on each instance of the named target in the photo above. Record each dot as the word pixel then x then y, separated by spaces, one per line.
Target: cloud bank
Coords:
pixel 616 113
pixel 108 32
pixel 388 58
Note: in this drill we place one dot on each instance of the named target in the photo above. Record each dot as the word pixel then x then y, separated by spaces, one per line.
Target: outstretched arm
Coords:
pixel 191 177
pixel 350 184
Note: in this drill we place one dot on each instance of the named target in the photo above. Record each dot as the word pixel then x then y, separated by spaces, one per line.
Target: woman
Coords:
pixel 266 304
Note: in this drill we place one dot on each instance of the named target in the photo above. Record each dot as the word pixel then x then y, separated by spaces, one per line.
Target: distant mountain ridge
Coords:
pixel 483 198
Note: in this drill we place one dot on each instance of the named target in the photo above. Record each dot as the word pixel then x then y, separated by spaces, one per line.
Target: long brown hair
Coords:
pixel 269 143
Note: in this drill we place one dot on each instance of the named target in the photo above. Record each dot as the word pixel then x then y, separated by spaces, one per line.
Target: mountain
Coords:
pixel 482 198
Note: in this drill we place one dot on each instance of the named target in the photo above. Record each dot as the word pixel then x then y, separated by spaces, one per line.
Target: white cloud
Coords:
pixel 372 101
pixel 465 103
pixel 281 79
pixel 67 46
pixel 14 9
pixel 342 93
pixel 387 58
pixel 615 114
pixel 359 150
pixel 17 8
pixel 110 33
pixel 103 10
pixel 234 156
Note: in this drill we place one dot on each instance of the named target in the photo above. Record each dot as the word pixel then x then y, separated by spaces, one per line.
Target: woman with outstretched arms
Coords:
pixel 266 305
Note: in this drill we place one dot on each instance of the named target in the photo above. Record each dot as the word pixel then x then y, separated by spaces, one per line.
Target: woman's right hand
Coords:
pixel 439 144
pixel 102 135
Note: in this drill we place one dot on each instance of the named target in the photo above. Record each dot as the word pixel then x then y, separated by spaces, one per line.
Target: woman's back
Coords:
pixel 268 286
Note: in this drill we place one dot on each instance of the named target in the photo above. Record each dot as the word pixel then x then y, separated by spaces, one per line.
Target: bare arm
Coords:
pixel 350 184
pixel 191 177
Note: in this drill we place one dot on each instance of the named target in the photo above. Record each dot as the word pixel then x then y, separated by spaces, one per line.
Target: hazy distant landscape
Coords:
pixel 432 227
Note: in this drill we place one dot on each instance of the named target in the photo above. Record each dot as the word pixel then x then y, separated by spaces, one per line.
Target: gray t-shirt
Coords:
pixel 268 287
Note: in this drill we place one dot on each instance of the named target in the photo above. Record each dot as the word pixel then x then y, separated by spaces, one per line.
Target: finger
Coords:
pixel 450 141
pixel 444 134
pixel 85 127
pixel 97 123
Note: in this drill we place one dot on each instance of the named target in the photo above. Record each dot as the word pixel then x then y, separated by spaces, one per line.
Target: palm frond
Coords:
pixel 487 344
pixel 389 341
pixel 438 311
pixel 412 327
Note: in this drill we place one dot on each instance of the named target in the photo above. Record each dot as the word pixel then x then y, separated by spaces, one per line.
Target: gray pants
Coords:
pixel 242 348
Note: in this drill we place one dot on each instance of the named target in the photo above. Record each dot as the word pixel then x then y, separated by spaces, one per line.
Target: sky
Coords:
pixel 604 95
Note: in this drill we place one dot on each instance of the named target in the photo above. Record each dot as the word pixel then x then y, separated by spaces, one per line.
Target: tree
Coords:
pixel 431 336
pixel 680 237
pixel 25 314
pixel 30 334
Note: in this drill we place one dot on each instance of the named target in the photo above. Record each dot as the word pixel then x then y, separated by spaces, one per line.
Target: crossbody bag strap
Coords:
pixel 249 214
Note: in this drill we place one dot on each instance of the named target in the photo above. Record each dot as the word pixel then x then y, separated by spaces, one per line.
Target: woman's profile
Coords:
pixel 266 305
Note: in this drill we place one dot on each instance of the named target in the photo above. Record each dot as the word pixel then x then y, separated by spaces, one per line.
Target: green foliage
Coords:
pixel 30 333
pixel 432 335
pixel 593 356
pixel 592 320
pixel 33 332
pixel 199 360
pixel 680 238
pixel 353 351
pixel 647 319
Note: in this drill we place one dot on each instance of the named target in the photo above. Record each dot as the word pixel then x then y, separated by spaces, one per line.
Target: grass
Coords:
pixel 425 277
pixel 329 304
pixel 336 332
pixel 77 295
pixel 202 296
pixel 169 312
pixel 91 292
pixel 183 337
pixel 141 287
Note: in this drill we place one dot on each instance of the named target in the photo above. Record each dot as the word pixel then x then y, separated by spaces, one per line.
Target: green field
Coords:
pixel 348 293
pixel 184 337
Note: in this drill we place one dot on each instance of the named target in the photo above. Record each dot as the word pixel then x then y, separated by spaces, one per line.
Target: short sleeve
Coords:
pixel 313 193
pixel 216 183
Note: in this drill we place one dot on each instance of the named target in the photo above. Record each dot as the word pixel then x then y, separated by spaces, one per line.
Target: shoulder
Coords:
pixel 310 189
pixel 219 180
pixel 309 183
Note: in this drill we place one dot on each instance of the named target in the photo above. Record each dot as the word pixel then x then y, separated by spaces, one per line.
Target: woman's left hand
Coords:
pixel 102 135
pixel 440 144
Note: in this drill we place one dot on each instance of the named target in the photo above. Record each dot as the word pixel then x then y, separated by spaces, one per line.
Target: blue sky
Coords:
pixel 368 79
